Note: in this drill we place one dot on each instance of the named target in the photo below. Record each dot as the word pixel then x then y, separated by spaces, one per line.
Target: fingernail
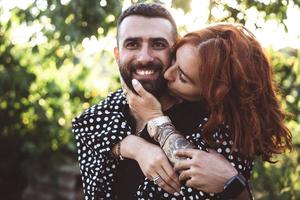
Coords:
pixel 135 82
pixel 176 194
pixel 181 193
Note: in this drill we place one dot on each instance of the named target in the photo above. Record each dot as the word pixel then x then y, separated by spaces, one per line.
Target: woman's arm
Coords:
pixel 205 171
pixel 149 109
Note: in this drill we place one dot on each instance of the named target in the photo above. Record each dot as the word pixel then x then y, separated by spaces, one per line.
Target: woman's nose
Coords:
pixel 170 73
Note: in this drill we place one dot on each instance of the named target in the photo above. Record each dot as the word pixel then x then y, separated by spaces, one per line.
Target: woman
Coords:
pixel 225 67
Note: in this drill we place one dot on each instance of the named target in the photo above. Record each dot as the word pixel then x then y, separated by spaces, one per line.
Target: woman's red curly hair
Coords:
pixel 237 85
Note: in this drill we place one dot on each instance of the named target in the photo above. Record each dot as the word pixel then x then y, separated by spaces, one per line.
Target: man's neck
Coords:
pixel 168 101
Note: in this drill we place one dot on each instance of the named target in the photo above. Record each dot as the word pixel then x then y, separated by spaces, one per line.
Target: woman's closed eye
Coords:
pixel 181 76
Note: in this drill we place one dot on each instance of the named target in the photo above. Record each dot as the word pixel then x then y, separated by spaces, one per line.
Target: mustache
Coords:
pixel 155 65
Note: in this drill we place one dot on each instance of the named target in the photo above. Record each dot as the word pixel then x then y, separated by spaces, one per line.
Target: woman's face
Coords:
pixel 183 75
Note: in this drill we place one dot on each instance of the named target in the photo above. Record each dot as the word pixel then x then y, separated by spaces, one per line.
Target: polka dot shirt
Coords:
pixel 102 126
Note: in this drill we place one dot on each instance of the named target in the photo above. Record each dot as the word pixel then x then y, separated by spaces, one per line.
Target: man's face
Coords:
pixel 144 51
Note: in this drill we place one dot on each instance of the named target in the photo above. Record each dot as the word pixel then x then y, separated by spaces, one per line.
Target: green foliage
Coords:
pixel 74 20
pixel 50 78
pixel 44 84
pixel 184 5
pixel 286 69
pixel 280 180
pixel 237 10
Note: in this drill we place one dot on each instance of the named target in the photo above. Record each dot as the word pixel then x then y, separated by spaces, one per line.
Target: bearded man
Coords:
pixel 145 35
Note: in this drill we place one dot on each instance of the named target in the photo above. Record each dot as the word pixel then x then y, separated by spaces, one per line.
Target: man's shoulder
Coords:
pixel 113 103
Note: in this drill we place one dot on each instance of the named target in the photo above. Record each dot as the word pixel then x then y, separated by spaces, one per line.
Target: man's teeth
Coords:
pixel 144 72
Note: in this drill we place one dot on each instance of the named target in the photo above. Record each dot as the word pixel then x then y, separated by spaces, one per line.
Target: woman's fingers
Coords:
pixel 188 153
pixel 139 88
pixel 191 157
pixel 192 182
pixel 185 175
pixel 182 165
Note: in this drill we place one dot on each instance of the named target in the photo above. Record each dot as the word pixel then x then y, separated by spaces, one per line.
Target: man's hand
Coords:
pixel 152 161
pixel 205 171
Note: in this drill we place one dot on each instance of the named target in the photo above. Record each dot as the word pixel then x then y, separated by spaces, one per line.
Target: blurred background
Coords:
pixel 56 59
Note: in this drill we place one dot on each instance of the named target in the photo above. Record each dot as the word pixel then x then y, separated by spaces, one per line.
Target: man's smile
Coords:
pixel 146 74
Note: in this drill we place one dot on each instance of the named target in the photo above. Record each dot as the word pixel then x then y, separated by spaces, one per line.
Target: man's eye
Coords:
pixel 131 45
pixel 159 45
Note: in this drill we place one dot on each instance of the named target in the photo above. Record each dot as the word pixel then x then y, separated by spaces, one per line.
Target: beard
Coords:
pixel 156 87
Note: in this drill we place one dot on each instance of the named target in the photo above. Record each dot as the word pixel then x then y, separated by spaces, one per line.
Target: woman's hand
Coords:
pixel 144 105
pixel 205 171
pixel 152 161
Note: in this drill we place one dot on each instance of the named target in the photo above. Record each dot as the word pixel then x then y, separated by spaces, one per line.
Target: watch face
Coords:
pixel 234 186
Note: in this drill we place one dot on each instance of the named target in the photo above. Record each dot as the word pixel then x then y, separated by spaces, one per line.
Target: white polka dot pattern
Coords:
pixel 152 191
pixel 102 126
pixel 96 131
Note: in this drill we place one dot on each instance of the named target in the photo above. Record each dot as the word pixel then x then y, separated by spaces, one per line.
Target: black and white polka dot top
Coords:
pixel 102 126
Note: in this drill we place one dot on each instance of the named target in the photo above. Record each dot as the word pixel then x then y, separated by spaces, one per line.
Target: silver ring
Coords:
pixel 157 179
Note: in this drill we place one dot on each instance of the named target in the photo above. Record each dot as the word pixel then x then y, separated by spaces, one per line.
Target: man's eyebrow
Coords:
pixel 161 39
pixel 185 75
pixel 132 39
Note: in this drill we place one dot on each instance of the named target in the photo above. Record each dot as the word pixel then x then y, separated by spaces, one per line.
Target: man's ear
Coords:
pixel 116 53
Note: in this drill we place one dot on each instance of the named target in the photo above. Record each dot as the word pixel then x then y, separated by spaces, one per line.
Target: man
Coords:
pixel 145 35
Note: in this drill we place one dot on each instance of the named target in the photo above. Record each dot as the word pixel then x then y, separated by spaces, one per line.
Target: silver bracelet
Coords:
pixel 153 124
pixel 164 132
pixel 160 130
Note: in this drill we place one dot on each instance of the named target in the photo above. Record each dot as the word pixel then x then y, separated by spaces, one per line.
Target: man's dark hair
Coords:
pixel 147 10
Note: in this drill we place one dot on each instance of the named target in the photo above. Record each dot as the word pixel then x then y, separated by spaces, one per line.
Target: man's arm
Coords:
pixel 211 177
pixel 152 161
pixel 95 134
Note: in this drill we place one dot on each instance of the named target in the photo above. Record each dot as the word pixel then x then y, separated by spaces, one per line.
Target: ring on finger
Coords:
pixel 157 179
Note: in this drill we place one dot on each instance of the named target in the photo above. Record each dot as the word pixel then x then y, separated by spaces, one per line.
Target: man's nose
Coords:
pixel 170 73
pixel 145 56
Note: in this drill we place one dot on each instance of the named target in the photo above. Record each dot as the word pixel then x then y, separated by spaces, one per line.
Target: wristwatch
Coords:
pixel 234 186
pixel 153 124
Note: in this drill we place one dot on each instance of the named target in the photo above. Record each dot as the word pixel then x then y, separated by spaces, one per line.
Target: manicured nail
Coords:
pixel 176 194
pixel 181 193
pixel 135 82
